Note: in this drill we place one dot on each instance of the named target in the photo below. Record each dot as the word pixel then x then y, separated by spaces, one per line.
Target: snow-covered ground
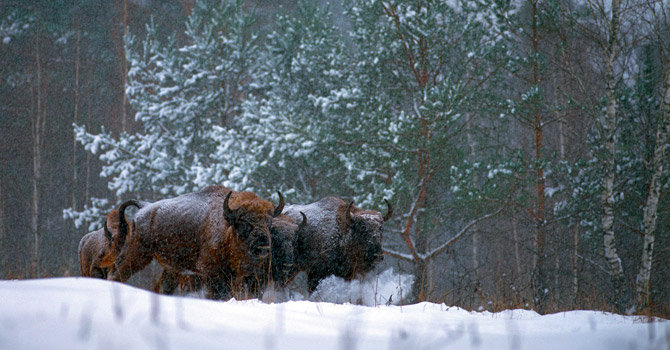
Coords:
pixel 83 313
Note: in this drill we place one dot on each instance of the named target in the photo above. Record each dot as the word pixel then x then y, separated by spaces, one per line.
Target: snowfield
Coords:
pixel 84 313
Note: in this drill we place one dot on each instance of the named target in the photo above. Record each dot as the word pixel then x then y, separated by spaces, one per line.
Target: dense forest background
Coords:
pixel 523 144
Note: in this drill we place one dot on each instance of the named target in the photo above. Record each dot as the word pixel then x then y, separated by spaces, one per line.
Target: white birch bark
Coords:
pixel 651 206
pixel 609 128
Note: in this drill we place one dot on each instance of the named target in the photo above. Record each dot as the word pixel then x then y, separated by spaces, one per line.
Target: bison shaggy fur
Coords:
pixel 339 239
pixel 92 249
pixel 220 235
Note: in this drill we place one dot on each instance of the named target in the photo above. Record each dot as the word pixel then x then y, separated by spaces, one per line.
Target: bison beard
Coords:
pixel 339 239
pixel 220 236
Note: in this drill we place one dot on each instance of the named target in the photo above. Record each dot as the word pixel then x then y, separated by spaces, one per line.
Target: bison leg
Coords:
pixel 312 283
pixel 167 283
pixel 193 283
pixel 99 272
pixel 217 288
pixel 134 259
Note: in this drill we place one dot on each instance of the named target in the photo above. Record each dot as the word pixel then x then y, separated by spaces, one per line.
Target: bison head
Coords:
pixel 250 218
pixel 366 228
pixel 284 233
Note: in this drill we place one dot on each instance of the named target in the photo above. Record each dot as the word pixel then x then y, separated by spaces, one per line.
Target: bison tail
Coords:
pixel 123 225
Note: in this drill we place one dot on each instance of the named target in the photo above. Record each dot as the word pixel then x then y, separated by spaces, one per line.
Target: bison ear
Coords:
pixel 280 206
pixel 228 213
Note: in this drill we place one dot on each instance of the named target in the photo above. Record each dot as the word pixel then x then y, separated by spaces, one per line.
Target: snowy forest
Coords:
pixel 523 145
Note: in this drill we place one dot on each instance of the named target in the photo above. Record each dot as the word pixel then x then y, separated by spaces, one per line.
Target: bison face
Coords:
pixel 284 232
pixel 251 219
pixel 367 232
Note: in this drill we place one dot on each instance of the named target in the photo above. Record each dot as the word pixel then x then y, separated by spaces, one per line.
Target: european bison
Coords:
pixel 95 247
pixel 339 239
pixel 220 235
pixel 92 249
pixel 281 270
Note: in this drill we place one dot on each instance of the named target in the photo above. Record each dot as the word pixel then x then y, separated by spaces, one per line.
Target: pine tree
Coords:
pixel 186 100
pixel 290 121
pixel 420 68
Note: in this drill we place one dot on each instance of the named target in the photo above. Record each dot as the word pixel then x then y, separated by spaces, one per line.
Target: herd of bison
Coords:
pixel 234 243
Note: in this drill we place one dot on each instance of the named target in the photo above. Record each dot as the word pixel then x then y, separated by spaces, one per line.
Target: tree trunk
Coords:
pixel 609 127
pixel 119 29
pixel 87 187
pixel 124 70
pixel 540 278
pixel 37 133
pixel 3 234
pixel 575 272
pixel 475 234
pixel 651 206
pixel 517 254
pixel 418 293
pixel 75 119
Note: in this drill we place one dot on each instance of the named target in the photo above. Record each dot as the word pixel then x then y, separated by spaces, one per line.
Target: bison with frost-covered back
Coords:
pixel 339 239
pixel 95 248
pixel 220 235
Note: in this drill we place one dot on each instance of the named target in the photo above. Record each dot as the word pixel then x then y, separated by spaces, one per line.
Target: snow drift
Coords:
pixel 83 313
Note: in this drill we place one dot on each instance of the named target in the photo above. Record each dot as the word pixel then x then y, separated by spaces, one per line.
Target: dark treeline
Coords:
pixel 523 144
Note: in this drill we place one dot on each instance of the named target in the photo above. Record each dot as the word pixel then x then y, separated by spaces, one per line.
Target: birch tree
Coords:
pixel 608 125
pixel 659 162
pixel 609 25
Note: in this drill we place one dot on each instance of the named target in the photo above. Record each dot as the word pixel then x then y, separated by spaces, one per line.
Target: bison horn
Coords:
pixel 389 213
pixel 303 223
pixel 348 213
pixel 280 206
pixel 227 212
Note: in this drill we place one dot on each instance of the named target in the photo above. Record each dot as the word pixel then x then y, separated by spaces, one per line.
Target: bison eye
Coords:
pixel 243 227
